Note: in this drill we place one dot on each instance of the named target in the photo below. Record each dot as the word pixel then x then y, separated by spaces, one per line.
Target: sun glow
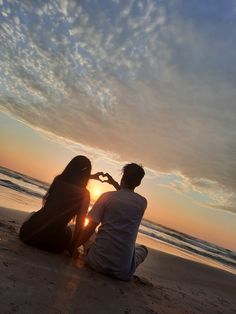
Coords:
pixel 86 222
pixel 95 191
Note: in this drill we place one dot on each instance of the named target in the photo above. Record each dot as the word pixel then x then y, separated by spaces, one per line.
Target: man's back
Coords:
pixel 120 214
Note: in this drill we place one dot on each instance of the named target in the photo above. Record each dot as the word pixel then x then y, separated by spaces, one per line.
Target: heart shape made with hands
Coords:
pixel 101 177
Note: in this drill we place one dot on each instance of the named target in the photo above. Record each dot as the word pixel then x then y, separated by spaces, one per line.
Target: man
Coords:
pixel 119 214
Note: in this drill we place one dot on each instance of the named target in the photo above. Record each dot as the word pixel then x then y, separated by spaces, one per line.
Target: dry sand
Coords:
pixel 34 281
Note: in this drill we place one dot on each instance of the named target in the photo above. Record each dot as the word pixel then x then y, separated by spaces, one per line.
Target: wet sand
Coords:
pixel 34 281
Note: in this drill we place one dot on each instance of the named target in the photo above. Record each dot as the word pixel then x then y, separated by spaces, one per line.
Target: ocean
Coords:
pixel 19 191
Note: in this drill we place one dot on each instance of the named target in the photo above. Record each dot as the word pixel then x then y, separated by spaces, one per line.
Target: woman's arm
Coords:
pixel 86 233
pixel 79 224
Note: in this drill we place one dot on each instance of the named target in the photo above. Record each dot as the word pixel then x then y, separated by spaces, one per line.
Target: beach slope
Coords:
pixel 34 281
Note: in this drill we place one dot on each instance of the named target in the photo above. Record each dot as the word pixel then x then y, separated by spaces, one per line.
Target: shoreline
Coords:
pixel 35 281
pixel 172 250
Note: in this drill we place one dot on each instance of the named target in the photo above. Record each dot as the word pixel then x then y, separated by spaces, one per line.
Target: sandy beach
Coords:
pixel 34 281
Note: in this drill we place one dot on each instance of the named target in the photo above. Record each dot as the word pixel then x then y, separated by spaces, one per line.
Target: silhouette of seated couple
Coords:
pixel 111 249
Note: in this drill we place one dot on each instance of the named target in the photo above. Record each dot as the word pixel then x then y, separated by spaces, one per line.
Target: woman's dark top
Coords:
pixel 47 229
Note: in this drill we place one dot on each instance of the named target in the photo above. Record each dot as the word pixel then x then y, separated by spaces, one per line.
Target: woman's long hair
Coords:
pixel 77 172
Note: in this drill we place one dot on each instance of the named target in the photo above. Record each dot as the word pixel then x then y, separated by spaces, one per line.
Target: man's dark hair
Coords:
pixel 133 174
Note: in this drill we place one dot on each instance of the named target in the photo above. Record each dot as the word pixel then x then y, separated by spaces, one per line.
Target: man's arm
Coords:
pixel 111 181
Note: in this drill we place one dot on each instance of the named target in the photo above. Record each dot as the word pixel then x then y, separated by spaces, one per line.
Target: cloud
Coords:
pixel 153 82
pixel 219 197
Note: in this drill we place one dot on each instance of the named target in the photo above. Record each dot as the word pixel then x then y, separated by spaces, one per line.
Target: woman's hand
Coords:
pixel 73 252
pixel 76 254
pixel 96 176
pixel 71 248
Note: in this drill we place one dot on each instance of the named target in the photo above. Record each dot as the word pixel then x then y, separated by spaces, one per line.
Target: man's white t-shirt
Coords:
pixel 120 213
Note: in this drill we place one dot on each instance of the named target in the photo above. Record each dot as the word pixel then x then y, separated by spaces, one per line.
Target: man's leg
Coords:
pixel 141 253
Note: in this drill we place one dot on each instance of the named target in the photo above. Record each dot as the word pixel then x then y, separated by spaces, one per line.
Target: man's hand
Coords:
pixel 111 181
pixel 108 179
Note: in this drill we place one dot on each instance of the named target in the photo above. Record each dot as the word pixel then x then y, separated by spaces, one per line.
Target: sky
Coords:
pixel 151 82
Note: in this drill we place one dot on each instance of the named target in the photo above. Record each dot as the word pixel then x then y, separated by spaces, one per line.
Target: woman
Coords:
pixel 66 198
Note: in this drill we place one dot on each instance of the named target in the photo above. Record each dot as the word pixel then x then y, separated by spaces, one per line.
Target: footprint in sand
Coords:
pixel 142 281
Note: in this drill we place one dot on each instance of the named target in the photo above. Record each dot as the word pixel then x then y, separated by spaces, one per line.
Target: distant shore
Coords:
pixel 34 281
